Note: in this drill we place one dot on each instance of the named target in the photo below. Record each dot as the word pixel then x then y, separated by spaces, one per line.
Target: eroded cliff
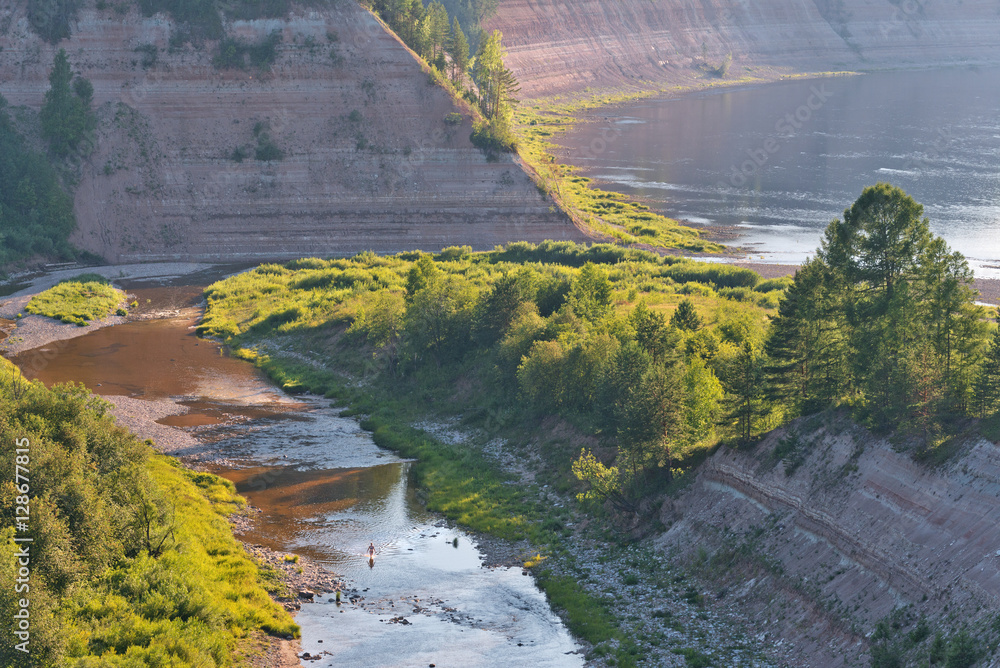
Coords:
pixel 836 530
pixel 559 47
pixel 372 159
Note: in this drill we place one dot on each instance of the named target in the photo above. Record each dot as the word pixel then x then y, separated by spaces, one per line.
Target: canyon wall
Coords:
pixel 372 159
pixel 559 47
pixel 838 533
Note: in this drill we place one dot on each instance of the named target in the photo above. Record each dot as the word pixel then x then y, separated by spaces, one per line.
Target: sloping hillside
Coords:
pixel 558 47
pixel 370 161
pixel 826 531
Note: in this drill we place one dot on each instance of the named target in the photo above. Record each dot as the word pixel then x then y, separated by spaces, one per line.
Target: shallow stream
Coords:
pixel 325 490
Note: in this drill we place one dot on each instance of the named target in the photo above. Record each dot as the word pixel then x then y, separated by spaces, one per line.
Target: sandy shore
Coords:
pixel 33 331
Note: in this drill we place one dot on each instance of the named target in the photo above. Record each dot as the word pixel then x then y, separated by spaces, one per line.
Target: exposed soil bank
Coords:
pixel 370 162
pixel 840 531
pixel 560 49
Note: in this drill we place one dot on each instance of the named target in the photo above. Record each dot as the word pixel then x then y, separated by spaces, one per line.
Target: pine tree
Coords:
pixel 806 346
pixel 66 116
pixel 910 324
pixel 458 49
pixel 686 317
pixel 987 391
pixel 744 383
pixel 497 85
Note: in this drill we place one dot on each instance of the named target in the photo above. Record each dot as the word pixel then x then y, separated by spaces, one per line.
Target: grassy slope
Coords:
pixel 97 599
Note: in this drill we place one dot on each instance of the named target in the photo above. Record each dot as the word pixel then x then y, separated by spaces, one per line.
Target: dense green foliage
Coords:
pixel 36 214
pixel 882 320
pixel 556 329
pixel 67 120
pixel 196 19
pixel 51 18
pixel 234 53
pixel 78 300
pixel 132 561
pixel 986 394
pixel 496 89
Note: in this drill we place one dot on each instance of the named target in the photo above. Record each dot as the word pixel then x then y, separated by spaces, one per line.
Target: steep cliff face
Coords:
pixel 370 160
pixel 853 531
pixel 564 47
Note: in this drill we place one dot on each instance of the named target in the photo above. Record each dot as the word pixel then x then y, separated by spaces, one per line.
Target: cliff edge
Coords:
pixel 823 530
pixel 557 47
pixel 376 156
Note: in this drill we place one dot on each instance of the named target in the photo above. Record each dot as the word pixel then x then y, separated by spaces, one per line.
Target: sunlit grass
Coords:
pixel 78 300
pixel 195 604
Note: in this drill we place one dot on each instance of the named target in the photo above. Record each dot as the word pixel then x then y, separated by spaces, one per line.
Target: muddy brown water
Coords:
pixel 326 491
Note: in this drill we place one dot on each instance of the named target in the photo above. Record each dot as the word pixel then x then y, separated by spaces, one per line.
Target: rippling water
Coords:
pixel 781 160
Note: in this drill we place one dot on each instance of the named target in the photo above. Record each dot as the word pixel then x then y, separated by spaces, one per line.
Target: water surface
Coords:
pixel 326 490
pixel 780 161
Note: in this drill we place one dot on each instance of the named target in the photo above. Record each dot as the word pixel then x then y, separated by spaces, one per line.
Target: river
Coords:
pixel 326 490
pixel 780 161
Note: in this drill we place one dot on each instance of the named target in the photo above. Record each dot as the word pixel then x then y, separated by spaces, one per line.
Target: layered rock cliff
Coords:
pixel 559 47
pixel 372 159
pixel 826 537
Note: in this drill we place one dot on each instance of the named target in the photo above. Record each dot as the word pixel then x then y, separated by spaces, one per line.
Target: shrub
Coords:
pixel 50 19
pixel 36 213
pixel 233 53
pixel 267 150
pixel 492 138
pixel 150 54
pixel 197 20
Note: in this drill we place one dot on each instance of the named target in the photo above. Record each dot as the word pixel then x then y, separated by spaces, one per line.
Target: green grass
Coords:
pixel 133 562
pixel 612 215
pixel 78 300
pixel 193 606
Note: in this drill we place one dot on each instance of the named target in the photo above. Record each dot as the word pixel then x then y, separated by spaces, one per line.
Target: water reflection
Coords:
pixel 326 491
pixel 781 161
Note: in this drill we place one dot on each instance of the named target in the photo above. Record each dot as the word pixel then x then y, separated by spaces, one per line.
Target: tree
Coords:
pixel 987 390
pixel 590 296
pixel 686 317
pixel 497 84
pixel 66 116
pixel 458 49
pixel 702 396
pixel 438 318
pixel 806 347
pixel 911 328
pixel 498 307
pixel 652 333
pixel 436 20
pixel 604 481
pixel 744 383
